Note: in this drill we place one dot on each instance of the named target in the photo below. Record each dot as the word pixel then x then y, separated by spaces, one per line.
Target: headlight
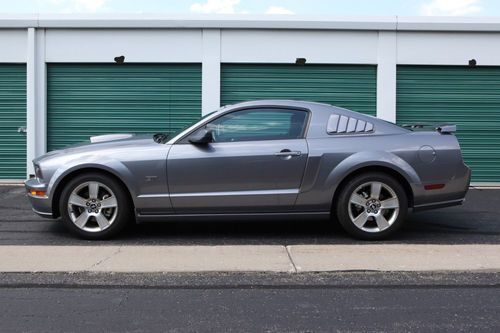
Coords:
pixel 38 171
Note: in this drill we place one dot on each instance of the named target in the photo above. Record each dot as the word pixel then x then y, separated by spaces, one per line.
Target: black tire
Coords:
pixel 371 230
pixel 123 215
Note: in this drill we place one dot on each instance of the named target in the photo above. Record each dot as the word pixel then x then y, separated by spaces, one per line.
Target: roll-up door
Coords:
pixel 466 96
pixel 348 86
pixel 12 121
pixel 92 99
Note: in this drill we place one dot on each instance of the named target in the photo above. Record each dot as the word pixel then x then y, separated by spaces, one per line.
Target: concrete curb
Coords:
pixel 395 257
pixel 248 258
pixel 144 259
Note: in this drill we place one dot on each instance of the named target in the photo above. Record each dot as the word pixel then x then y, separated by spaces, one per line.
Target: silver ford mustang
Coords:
pixel 261 159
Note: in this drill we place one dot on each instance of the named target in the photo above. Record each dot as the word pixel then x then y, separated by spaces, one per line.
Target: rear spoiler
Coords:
pixel 443 129
pixel 446 129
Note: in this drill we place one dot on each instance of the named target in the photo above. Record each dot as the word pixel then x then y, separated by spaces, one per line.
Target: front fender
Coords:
pixel 113 166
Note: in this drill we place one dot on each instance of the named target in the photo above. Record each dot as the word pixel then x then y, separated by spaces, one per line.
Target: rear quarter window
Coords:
pixel 340 124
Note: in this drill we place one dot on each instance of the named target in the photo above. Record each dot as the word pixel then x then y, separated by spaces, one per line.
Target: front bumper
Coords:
pixel 41 204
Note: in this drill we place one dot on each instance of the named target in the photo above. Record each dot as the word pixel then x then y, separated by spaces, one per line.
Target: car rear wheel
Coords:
pixel 95 206
pixel 372 206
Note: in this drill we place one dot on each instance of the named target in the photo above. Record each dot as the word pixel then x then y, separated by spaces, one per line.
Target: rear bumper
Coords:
pixel 41 204
pixel 452 194
pixel 436 205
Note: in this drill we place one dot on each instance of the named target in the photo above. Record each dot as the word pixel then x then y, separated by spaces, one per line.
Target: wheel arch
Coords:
pixel 375 168
pixel 65 179
pixel 364 161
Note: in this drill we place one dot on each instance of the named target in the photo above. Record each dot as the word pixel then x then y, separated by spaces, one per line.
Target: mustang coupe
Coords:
pixel 261 159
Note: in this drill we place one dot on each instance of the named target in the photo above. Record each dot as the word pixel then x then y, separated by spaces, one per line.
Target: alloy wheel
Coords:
pixel 92 206
pixel 373 207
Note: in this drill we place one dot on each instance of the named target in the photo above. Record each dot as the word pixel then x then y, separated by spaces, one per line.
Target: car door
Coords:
pixel 254 163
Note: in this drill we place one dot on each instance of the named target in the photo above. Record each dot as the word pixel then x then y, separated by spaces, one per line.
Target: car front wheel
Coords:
pixel 372 206
pixel 95 206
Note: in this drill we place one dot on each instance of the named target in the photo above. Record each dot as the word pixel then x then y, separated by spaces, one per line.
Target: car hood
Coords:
pixel 102 145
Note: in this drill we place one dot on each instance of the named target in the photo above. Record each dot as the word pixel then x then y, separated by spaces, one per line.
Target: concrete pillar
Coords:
pixel 30 101
pixel 210 90
pixel 41 93
pixel 36 124
pixel 386 76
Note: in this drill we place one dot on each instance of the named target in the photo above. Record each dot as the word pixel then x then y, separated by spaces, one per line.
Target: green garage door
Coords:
pixel 12 116
pixel 92 99
pixel 468 97
pixel 352 87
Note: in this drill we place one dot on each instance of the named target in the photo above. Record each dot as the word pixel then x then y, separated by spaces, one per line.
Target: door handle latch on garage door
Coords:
pixel 22 130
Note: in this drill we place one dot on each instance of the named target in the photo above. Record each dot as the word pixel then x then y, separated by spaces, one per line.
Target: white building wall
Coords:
pixel 137 45
pixel 13 45
pixel 31 133
pixel 40 95
pixel 284 46
pixel 448 48
pixel 210 90
pixel 386 75
pixel 385 42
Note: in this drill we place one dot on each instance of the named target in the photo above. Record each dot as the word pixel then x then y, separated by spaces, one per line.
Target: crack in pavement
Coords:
pixel 106 259
pixel 290 258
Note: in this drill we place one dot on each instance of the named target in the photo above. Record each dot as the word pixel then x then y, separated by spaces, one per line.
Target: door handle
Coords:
pixel 21 130
pixel 287 153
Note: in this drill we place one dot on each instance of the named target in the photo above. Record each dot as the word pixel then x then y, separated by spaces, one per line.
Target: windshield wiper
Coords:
pixel 160 137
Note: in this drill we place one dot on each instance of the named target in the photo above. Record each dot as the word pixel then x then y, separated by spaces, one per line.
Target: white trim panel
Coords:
pixel 210 94
pixel 40 94
pixel 386 76
pixel 30 100
pixel 13 46
pixel 153 46
pixel 440 48
pixel 235 21
pixel 216 21
pixel 284 46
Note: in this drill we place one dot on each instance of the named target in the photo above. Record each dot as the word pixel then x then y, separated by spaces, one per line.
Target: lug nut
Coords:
pixel 90 210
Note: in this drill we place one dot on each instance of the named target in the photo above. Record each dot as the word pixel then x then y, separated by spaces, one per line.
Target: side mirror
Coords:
pixel 202 138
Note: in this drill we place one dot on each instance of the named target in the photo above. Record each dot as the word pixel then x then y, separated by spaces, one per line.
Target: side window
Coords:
pixel 259 124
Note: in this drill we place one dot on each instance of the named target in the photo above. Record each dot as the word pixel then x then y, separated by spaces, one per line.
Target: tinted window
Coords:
pixel 259 124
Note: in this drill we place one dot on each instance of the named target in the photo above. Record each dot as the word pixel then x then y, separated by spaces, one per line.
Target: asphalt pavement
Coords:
pixel 344 302
pixel 475 222
pixel 353 301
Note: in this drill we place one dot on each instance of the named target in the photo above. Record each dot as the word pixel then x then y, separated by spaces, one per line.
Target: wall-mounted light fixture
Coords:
pixel 120 59
pixel 300 61
pixel 472 63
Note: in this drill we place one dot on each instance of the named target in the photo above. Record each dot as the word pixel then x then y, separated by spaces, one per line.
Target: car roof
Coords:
pixel 313 106
pixel 277 102
pixel 322 110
